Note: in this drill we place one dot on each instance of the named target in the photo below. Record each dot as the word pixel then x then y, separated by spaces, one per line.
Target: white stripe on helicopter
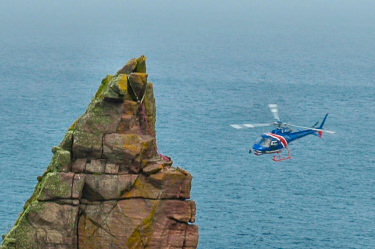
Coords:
pixel 279 138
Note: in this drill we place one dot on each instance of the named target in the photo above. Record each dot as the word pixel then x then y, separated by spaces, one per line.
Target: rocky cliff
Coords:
pixel 107 186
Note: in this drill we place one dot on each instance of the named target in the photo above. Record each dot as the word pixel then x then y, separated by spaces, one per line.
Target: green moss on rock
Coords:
pixel 56 186
pixel 100 117
pixel 23 234
pixel 149 102
pixel 67 141
pixel 103 87
pixel 87 145
pixel 73 126
pixel 61 160
pixel 141 64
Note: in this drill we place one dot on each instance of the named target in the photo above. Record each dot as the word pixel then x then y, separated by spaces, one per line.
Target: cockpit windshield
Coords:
pixel 264 142
pixel 258 140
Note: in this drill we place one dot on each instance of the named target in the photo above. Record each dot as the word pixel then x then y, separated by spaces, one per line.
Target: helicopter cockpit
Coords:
pixel 265 142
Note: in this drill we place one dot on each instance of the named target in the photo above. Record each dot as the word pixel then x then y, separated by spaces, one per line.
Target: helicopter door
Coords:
pixel 274 144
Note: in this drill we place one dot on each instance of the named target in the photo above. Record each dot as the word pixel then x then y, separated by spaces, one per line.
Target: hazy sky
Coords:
pixel 321 31
pixel 68 17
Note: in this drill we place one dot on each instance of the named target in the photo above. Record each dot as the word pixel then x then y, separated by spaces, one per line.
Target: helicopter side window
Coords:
pixel 273 143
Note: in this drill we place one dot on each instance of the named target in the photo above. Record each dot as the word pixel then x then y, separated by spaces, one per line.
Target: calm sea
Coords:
pixel 213 63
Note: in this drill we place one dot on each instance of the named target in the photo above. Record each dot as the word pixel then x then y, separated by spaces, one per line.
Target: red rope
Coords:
pixel 150 131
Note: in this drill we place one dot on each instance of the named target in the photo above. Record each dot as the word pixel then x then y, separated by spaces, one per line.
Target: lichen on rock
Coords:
pixel 106 185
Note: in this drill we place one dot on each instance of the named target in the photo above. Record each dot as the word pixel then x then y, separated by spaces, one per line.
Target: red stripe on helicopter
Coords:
pixel 280 138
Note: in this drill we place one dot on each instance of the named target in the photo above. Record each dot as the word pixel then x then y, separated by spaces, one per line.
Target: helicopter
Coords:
pixel 279 138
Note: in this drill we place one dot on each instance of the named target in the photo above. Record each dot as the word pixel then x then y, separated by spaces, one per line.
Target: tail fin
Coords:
pixel 324 120
pixel 321 125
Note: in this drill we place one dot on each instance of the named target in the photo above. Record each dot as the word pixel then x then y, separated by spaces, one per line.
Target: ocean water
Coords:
pixel 213 63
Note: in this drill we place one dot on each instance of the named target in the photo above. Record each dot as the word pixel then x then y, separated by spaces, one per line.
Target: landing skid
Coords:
pixel 279 159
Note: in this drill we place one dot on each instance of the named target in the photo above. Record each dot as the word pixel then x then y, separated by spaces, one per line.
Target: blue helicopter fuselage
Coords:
pixel 277 140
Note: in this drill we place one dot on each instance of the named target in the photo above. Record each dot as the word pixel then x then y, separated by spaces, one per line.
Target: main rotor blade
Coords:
pixel 275 111
pixel 243 126
pixel 314 129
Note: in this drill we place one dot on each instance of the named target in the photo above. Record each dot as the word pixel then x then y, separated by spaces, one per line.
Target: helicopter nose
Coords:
pixel 258 150
pixel 257 147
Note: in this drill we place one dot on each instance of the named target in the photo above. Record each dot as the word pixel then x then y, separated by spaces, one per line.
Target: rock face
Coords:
pixel 106 185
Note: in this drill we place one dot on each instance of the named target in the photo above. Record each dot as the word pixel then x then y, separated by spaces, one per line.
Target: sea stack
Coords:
pixel 107 186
